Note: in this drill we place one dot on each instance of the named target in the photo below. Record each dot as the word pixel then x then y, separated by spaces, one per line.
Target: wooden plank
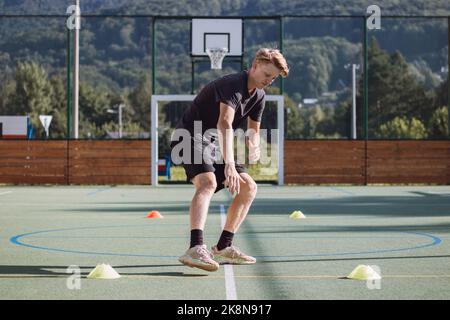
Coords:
pixel 324 180
pixel 318 152
pixel 34 170
pixel 408 144
pixel 118 147
pixel 22 162
pixel 318 165
pixel 120 162
pixel 321 163
pixel 33 179
pixel 322 156
pixel 412 162
pixel 406 173
pixel 325 171
pixel 101 180
pixel 109 171
pixel 33 149
pixel 322 159
pixel 407 155
pixel 44 153
pixel 109 153
pixel 20 144
pixel 409 179
pixel 109 143
pixel 337 149
pixel 405 149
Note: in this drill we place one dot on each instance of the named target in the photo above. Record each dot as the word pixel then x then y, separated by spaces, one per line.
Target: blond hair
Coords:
pixel 274 56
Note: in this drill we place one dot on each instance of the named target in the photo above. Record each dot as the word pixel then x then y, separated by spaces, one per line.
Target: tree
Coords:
pixel 32 94
pixel 402 128
pixel 7 89
pixel 58 108
pixel 394 92
pixel 313 116
pixel 295 124
pixel 438 125
pixel 442 94
pixel 139 101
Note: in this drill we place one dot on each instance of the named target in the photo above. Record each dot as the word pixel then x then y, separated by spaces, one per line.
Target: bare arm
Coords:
pixel 253 128
pixel 253 140
pixel 225 131
pixel 226 137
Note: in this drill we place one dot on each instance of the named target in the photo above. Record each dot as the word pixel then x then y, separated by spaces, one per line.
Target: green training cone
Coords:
pixel 364 272
pixel 297 215
pixel 103 271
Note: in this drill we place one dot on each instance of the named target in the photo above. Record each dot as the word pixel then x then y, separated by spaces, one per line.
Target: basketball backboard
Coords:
pixel 216 33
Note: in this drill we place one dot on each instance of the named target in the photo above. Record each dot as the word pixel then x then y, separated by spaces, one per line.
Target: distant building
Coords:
pixel 310 102
pixel 125 135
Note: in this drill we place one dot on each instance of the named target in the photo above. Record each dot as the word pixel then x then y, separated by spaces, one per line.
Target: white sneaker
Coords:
pixel 199 257
pixel 232 255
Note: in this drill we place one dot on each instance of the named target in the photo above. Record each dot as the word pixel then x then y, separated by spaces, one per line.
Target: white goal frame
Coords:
pixel 279 99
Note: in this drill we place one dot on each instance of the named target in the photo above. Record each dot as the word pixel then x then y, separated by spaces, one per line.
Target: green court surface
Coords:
pixel 402 231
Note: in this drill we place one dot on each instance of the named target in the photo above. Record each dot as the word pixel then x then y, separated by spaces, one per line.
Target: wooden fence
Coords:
pixel 75 162
pixel 371 162
pixel 306 162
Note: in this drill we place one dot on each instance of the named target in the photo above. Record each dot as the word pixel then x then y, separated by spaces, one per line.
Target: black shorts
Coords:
pixel 218 169
pixel 208 164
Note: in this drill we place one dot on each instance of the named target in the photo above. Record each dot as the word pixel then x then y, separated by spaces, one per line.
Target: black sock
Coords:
pixel 196 237
pixel 226 238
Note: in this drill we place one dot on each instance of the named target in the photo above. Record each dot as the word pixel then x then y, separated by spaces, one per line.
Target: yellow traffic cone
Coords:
pixel 103 271
pixel 364 272
pixel 297 215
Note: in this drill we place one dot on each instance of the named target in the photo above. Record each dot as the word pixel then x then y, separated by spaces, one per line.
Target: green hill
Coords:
pixel 115 52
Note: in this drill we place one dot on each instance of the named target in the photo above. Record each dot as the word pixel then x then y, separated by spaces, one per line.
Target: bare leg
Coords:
pixel 205 184
pixel 241 204
pixel 197 255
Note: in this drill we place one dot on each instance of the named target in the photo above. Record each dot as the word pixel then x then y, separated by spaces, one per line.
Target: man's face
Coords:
pixel 264 74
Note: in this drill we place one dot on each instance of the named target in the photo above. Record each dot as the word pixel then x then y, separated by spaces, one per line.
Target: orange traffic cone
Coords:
pixel 154 214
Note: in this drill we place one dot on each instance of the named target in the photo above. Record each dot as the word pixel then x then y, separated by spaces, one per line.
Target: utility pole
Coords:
pixel 76 70
pixel 120 120
pixel 119 112
pixel 354 68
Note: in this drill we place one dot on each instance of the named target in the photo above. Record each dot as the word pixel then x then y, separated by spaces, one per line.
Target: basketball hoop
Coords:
pixel 216 55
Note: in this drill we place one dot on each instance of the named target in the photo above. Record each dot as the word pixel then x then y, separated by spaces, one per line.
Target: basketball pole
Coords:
pixel 281 50
pixel 154 55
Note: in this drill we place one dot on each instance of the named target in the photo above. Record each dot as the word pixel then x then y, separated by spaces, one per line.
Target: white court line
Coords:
pixel 230 286
pixel 3 193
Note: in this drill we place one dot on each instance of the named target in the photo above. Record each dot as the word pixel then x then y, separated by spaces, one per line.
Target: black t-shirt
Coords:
pixel 231 90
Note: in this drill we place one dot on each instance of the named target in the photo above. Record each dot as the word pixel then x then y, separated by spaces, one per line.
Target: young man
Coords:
pixel 222 105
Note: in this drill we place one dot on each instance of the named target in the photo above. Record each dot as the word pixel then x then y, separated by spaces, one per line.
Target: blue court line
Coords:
pixel 242 235
pixel 436 241
pixel 15 240
pixel 98 191
pixel 342 191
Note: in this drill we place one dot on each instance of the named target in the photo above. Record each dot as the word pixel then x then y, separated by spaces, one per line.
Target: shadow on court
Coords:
pixel 353 259
pixel 438 227
pixel 381 206
pixel 29 271
pixel 420 204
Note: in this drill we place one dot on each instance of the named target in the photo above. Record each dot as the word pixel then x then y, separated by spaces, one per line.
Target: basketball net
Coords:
pixel 216 56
